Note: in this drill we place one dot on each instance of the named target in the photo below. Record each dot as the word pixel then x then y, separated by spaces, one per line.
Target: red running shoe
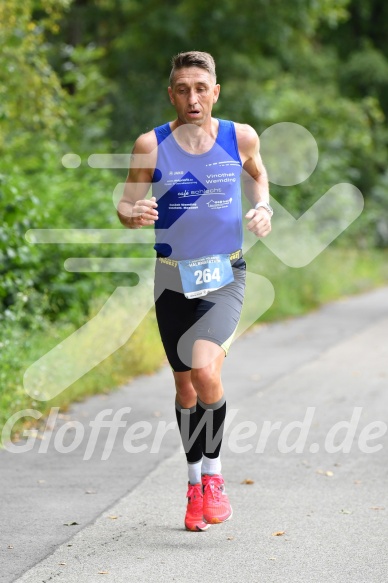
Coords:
pixel 216 505
pixel 194 513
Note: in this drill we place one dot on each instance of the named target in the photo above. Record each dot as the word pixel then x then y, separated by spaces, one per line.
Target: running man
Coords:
pixel 196 164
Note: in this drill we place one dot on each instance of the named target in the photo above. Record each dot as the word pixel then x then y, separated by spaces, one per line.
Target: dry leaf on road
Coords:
pixel 328 473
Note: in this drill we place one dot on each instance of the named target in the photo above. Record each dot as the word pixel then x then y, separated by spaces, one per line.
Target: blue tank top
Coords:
pixel 198 196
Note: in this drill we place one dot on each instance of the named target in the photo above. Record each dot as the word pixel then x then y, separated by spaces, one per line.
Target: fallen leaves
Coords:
pixel 248 481
pixel 279 533
pixel 70 523
pixel 327 473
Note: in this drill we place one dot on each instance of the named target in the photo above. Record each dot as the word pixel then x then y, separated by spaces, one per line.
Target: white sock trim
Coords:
pixel 194 472
pixel 211 465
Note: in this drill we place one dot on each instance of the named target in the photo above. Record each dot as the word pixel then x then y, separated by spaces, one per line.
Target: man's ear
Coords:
pixel 171 95
pixel 217 89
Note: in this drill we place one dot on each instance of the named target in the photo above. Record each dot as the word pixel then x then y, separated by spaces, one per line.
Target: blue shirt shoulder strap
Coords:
pixel 162 132
pixel 227 139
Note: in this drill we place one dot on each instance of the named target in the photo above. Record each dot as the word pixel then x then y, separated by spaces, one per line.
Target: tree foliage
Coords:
pixel 90 75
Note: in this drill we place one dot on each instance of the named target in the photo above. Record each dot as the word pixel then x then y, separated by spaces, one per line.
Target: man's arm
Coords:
pixel 255 180
pixel 134 210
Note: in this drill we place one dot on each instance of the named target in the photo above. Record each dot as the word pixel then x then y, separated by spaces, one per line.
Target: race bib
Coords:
pixel 200 276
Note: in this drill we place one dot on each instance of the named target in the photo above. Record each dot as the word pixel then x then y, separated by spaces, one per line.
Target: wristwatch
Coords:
pixel 265 206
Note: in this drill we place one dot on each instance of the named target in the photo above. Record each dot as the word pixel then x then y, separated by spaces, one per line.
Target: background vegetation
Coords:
pixel 87 76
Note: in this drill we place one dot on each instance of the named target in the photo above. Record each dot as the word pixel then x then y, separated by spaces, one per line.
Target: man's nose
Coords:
pixel 192 97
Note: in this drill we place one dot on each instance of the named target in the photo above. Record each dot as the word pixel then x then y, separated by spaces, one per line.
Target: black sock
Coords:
pixel 212 431
pixel 188 420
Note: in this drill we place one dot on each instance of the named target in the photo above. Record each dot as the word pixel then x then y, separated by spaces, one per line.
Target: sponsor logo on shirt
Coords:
pixel 219 204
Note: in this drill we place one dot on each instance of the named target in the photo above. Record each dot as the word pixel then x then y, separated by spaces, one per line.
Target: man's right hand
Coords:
pixel 141 214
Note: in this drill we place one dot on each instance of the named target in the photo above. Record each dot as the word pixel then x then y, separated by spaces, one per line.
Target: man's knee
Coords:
pixel 206 377
pixel 186 394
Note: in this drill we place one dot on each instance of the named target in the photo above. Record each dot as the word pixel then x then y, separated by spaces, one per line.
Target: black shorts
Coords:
pixel 182 321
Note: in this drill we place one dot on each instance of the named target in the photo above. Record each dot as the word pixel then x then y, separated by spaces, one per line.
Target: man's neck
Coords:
pixel 195 139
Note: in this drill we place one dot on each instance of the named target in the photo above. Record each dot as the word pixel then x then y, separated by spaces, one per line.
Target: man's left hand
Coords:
pixel 259 222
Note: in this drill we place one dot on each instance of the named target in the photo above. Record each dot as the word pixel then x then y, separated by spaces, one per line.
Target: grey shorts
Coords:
pixel 182 321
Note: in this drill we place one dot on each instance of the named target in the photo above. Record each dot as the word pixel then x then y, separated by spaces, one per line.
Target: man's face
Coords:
pixel 193 94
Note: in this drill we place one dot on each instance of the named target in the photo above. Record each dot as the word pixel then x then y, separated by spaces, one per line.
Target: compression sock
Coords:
pixel 193 450
pixel 212 434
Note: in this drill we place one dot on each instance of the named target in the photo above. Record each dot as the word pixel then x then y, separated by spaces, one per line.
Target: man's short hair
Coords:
pixel 193 59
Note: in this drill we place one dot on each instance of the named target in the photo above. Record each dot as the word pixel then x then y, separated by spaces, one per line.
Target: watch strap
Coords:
pixel 266 206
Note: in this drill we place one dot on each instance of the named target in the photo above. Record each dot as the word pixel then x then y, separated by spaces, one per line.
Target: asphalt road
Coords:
pixel 304 459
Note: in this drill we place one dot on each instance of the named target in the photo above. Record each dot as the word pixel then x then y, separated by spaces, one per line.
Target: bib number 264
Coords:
pixel 207 275
pixel 200 276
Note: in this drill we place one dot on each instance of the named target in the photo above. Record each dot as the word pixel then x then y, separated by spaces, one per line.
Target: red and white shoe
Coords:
pixel 194 513
pixel 216 505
